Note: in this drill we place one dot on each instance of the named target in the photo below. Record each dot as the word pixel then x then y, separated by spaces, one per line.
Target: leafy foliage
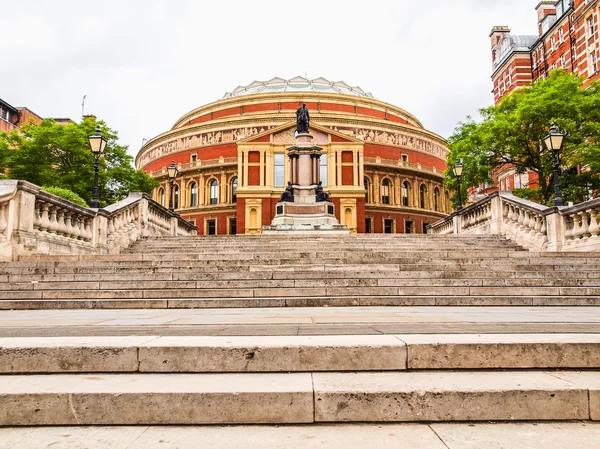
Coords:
pixel 66 194
pixel 512 133
pixel 58 155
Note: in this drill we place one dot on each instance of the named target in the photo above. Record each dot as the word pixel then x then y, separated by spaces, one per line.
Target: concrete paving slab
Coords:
pixel 70 354
pixel 519 436
pixel 589 380
pixel 356 436
pixel 489 351
pixel 138 399
pixel 273 354
pixel 447 396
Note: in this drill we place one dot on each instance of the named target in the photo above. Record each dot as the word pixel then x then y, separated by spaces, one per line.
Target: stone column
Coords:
pixel 338 165
pixel 355 168
pixel 240 169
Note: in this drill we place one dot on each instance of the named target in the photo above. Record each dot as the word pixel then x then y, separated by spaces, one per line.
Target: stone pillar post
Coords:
pixel 555 230
pixel 496 221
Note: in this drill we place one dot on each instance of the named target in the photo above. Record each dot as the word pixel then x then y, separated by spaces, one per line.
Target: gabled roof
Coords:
pixel 291 124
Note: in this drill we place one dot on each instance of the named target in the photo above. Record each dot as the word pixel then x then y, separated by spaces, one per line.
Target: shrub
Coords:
pixel 66 194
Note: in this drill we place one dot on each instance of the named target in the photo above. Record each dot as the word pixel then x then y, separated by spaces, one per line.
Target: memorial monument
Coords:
pixel 304 205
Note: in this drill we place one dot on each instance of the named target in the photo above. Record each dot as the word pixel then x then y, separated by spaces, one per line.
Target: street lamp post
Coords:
pixel 458 170
pixel 97 146
pixel 172 172
pixel 554 142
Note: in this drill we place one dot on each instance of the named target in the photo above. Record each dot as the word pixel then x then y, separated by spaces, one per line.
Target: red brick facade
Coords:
pixel 382 169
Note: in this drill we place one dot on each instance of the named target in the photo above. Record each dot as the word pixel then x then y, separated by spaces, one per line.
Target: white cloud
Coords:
pixel 143 64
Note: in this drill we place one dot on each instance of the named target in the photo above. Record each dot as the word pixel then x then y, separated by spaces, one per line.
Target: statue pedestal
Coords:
pixel 305 213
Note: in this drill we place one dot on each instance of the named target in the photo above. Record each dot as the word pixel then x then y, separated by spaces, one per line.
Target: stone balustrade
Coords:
pixel 531 225
pixel 33 221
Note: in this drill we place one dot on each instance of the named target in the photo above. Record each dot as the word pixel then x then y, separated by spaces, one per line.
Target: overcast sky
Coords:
pixel 144 63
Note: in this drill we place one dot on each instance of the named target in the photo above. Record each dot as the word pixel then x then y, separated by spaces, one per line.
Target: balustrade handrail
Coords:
pixel 594 203
pixel 199 164
pixel 33 221
pixel 400 163
pixel 533 225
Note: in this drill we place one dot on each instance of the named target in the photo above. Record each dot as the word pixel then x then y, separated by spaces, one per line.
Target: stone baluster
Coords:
pixel 594 228
pixel 584 225
pixel 60 222
pixel 505 213
pixel 577 232
pixel 3 221
pixel 68 224
pixel 76 227
pixel 53 226
pixel 37 216
pixel 45 221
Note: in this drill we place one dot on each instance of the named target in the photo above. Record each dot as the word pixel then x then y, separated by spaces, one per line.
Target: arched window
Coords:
pixel 436 199
pixel 161 196
pixel 368 190
pixel 405 193
pixel 386 191
pixel 234 186
pixel 193 194
pixel 214 192
pixel 422 196
pixel 175 196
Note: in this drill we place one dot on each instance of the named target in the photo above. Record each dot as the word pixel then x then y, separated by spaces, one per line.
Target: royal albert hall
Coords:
pixel 381 168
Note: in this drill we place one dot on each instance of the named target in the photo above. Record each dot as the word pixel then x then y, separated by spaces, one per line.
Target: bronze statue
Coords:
pixel 322 196
pixel 288 195
pixel 302 119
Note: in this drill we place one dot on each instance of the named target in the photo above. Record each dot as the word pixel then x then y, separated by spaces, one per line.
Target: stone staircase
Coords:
pixel 283 271
pixel 298 380
pixel 272 379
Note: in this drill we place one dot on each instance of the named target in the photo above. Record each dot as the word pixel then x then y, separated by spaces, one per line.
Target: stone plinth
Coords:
pixel 305 213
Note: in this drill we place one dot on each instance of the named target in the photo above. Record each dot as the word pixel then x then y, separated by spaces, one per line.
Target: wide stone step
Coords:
pixel 157 399
pixel 168 302
pixel 218 266
pixel 236 283
pixel 569 278
pixel 200 354
pixel 192 289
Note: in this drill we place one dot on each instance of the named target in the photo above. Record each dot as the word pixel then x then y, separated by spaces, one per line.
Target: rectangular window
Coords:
pixel 193 158
pixel 561 36
pixel 232 226
pixel 590 26
pixel 405 158
pixel 369 225
pixel 323 170
pixel 279 170
pixel 408 227
pixel 593 63
pixel 517 181
pixel 211 227
pixel 388 226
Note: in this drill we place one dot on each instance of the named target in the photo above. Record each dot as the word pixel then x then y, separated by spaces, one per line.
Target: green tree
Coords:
pixel 58 155
pixel 512 133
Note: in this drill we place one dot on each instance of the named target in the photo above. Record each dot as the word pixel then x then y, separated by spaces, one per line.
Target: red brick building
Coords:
pixel 13 118
pixel 382 169
pixel 568 38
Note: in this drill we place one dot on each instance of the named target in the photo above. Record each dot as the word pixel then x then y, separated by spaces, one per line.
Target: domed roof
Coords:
pixel 297 84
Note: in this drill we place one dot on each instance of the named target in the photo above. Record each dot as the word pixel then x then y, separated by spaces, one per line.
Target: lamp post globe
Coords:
pixel 554 142
pixel 172 173
pixel 97 147
pixel 458 171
